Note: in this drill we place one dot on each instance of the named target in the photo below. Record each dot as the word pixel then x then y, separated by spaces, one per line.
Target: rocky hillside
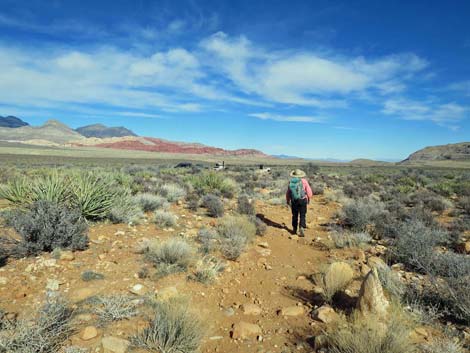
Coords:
pixel 450 152
pixel 159 145
pixel 12 122
pixel 51 133
pixel 102 131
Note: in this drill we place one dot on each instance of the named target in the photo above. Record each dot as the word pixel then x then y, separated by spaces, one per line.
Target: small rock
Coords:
pixel 264 244
pixel 229 312
pixel 325 314
pixel 215 338
pixel 52 284
pixel 89 333
pixel 292 311
pixel 371 296
pixel 67 256
pixel 251 309
pixel 82 294
pixel 3 281
pixel 114 344
pixel 119 233
pixel 244 330
pixel 138 289
pixel 264 252
pixel 167 293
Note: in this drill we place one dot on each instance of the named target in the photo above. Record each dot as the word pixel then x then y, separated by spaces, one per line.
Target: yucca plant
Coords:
pixel 94 195
pixel 51 187
pixel 18 191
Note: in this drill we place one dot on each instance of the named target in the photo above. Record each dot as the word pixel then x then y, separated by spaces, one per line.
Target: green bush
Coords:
pixel 45 226
pixel 212 183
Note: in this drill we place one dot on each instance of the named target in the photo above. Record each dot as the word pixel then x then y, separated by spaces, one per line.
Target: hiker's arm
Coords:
pixel 288 197
pixel 308 189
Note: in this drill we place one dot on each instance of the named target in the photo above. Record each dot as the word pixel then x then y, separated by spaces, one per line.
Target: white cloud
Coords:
pixel 446 114
pixel 462 86
pixel 288 118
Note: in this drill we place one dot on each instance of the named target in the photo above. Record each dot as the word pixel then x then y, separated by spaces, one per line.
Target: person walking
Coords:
pixel 298 196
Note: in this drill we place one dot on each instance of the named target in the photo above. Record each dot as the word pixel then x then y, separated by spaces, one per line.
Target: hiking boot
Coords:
pixel 294 231
pixel 301 233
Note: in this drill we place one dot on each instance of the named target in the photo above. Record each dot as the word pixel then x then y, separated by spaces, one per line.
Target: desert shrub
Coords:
pixel 172 192
pixel 358 214
pixel 150 202
pixel 261 227
pixel 350 240
pixel 371 334
pixel 414 245
pixel 214 205
pixel 336 196
pixel 208 239
pixel 317 188
pixel 192 202
pixel 212 183
pixel 441 345
pixel 169 257
pixel 245 206
pixel 235 233
pixel 75 349
pixel 45 226
pixel 94 194
pixel 386 226
pixel 125 210
pixel 207 269
pixel 164 218
pixel 171 328
pixel 113 307
pixel 464 204
pixel 91 276
pixel 390 281
pixel 335 278
pixel 45 333
pixel 277 201
pixel 356 191
pixel 311 169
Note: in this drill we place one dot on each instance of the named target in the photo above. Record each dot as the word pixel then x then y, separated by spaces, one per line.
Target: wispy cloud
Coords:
pixel 462 87
pixel 288 118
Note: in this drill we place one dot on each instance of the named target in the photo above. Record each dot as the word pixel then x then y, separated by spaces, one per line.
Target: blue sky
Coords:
pixel 317 79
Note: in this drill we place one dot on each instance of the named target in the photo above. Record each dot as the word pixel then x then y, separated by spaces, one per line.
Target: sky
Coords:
pixel 315 79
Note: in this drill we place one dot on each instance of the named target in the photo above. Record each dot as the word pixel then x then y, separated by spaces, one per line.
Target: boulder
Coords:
pixel 112 344
pixel 371 296
pixel 292 311
pixel 89 333
pixel 325 314
pixel 244 330
pixel 66 255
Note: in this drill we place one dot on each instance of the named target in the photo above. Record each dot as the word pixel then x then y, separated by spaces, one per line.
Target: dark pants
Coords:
pixel 299 207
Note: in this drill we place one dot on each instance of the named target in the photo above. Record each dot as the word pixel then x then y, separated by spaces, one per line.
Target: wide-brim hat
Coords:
pixel 297 173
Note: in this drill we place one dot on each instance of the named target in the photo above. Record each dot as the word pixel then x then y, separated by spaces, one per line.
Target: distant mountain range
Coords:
pixel 102 131
pixel 11 122
pixel 55 133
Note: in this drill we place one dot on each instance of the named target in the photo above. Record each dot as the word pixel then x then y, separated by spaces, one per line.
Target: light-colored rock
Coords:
pixel 52 284
pixel 263 252
pixel 251 309
pixel 166 293
pixel 244 330
pixel 325 314
pixel 89 333
pixel 375 262
pixel 138 289
pixel 365 269
pixel 82 293
pixel 292 311
pixel 67 255
pixel 3 281
pixel 371 296
pixel 264 244
pixel 112 344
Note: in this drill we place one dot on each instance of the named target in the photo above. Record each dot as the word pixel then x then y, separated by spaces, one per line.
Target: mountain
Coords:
pixel 51 133
pixel 152 144
pixel 12 122
pixel 450 152
pixel 102 131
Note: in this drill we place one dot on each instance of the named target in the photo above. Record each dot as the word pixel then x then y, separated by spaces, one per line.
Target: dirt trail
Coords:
pixel 273 273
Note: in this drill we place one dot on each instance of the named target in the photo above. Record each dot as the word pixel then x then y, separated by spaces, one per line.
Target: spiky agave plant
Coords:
pixel 18 191
pixel 51 187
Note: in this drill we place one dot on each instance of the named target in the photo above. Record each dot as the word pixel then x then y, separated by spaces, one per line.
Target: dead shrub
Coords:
pixel 336 277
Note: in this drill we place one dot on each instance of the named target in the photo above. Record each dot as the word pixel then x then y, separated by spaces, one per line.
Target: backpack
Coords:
pixel 296 188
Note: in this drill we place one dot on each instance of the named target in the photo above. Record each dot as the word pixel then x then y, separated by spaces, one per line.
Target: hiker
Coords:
pixel 298 195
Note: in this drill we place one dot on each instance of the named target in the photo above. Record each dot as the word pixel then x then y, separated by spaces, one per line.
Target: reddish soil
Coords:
pixel 273 281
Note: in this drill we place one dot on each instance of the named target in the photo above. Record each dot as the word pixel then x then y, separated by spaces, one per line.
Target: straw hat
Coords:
pixel 297 173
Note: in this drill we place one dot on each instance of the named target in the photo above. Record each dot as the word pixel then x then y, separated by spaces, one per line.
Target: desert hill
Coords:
pixel 12 122
pixel 102 131
pixel 450 152
pixel 53 132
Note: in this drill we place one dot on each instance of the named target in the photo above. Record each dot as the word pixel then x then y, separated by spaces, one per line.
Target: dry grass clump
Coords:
pixel 442 345
pixel 214 205
pixel 350 240
pixel 235 233
pixel 172 192
pixel 43 334
pixel 172 328
pixel 169 257
pixel 113 307
pixel 164 218
pixel 207 269
pixel 150 202
pixel 371 334
pixel 336 277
